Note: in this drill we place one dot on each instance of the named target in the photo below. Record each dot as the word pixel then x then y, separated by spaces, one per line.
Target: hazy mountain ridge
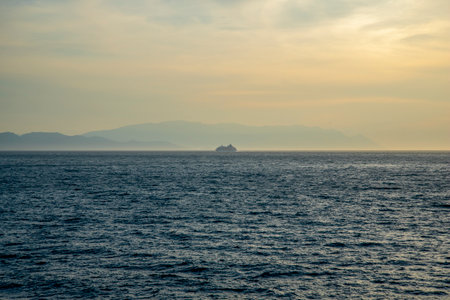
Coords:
pixel 58 141
pixel 181 135
pixel 193 135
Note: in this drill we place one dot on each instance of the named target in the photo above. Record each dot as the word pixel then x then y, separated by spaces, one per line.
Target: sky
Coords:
pixel 380 68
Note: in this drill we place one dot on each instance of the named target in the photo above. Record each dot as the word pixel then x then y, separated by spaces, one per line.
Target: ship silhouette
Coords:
pixel 228 148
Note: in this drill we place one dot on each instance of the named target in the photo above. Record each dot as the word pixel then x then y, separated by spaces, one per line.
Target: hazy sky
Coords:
pixel 376 67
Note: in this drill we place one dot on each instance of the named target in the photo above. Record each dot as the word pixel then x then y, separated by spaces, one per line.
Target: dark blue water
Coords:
pixel 231 225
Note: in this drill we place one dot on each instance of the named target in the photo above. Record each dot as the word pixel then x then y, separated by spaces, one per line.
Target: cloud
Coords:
pixel 299 13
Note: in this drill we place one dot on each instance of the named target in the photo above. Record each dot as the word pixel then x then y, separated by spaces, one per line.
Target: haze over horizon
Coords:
pixel 376 68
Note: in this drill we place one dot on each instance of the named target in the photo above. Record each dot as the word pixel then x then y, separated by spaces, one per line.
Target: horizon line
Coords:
pixel 239 151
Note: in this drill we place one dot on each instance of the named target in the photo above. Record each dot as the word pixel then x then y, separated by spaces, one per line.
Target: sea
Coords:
pixel 207 225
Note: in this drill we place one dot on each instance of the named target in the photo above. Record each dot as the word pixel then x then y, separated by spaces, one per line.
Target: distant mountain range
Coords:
pixel 58 141
pixel 192 135
pixel 181 135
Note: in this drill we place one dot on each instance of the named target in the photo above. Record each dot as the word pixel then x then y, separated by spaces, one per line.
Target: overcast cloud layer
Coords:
pixel 379 68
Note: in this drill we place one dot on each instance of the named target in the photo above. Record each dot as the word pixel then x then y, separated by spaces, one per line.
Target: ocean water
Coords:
pixel 190 225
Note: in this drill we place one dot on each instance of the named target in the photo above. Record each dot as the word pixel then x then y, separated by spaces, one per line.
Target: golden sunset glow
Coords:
pixel 377 68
